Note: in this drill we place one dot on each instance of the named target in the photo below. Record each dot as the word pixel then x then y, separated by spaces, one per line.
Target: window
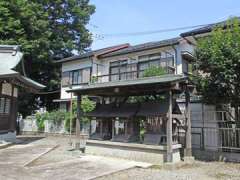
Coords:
pixel 86 75
pixel 2 105
pixel 121 70
pixel 187 66
pixel 5 105
pixel 65 78
pixel 155 60
pixel 76 77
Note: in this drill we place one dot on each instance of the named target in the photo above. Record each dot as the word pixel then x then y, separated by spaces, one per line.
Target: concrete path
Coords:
pixel 58 163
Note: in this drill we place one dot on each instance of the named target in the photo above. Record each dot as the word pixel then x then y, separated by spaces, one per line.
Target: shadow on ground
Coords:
pixel 28 139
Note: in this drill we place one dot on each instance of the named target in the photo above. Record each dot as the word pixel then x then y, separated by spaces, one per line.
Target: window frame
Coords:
pixel 6 109
pixel 147 59
pixel 71 79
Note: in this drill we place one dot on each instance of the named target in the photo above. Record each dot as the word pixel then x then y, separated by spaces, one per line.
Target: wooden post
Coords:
pixel 77 141
pixel 101 127
pixel 188 148
pixel 125 127
pixel 90 128
pixel 203 132
pixel 70 124
pixel 169 131
pixel 113 128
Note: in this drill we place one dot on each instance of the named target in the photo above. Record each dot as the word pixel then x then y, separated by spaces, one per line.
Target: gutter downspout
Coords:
pixel 175 50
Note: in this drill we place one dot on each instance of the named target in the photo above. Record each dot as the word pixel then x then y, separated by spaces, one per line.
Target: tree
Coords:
pixel 47 30
pixel 218 63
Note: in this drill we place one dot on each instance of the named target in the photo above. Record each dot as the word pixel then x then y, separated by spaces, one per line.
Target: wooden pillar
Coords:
pixel 188 148
pixel 90 128
pixel 126 127
pixel 169 131
pixel 113 128
pixel 101 127
pixel 77 141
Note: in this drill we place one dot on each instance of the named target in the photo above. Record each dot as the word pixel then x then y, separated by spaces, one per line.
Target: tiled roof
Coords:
pixel 145 46
pixel 205 29
pixel 141 81
pixel 97 52
pixel 10 56
pixel 123 49
pixel 8 73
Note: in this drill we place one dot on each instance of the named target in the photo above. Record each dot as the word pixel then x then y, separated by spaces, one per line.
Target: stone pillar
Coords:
pixel 188 148
pixel 77 140
pixel 169 131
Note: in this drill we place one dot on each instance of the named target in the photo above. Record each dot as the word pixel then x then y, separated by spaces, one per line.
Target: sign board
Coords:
pixel 7 89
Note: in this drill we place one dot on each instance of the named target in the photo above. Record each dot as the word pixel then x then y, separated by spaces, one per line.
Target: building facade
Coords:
pixel 10 82
pixel 123 62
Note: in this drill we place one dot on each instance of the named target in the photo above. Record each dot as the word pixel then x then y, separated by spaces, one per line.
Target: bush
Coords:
pixel 57 117
pixel 67 121
pixel 40 120
pixel 154 71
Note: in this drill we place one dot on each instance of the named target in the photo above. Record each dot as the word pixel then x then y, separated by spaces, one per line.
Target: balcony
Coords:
pixel 123 76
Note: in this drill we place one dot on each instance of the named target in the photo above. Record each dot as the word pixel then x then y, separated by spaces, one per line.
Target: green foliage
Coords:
pixel 67 122
pixel 218 63
pixel 87 105
pixel 154 71
pixel 46 30
pixel 94 79
pixel 40 120
pixel 57 117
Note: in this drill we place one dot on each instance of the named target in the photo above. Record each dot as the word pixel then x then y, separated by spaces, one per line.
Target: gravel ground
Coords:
pixel 63 164
pixel 181 171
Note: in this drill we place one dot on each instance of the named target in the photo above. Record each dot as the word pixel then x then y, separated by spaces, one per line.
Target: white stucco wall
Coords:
pixel 73 65
pixel 103 64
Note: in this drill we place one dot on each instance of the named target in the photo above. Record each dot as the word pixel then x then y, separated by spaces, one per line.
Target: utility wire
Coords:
pixel 103 36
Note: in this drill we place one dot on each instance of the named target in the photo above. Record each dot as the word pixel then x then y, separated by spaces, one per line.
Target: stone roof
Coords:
pixel 205 29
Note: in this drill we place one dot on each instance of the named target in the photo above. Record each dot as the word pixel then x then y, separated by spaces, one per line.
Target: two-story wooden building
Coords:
pixel 115 74
pixel 123 62
pixel 10 82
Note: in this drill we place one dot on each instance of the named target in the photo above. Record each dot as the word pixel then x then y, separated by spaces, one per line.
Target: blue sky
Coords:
pixel 126 16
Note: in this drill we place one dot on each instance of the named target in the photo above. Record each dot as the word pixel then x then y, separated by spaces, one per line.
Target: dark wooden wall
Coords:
pixel 8 120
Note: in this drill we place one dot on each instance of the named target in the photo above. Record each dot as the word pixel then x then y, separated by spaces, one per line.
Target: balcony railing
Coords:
pixel 131 75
